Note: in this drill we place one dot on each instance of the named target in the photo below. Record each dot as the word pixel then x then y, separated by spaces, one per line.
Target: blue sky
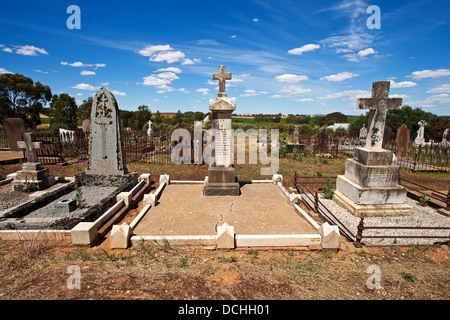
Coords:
pixel 288 56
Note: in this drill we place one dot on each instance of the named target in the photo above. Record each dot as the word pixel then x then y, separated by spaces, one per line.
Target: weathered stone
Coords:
pixel 369 157
pixel 372 176
pixel 403 138
pixel 330 236
pixel 65 206
pixel 15 132
pixel 378 104
pixel 84 233
pixel 106 147
pixel 120 236
pixel 126 197
pixel 30 145
pixel 420 139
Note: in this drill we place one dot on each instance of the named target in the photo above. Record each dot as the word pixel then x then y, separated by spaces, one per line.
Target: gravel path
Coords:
pixel 421 217
pixel 10 199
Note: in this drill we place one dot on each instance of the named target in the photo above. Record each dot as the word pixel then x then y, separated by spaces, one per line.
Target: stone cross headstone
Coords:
pixel 296 136
pixel 370 184
pixel 445 136
pixel 387 138
pixel 15 130
pixel 33 174
pixel 221 174
pixel 421 133
pixel 222 76
pixel 30 145
pixel 107 156
pixel 403 138
pixel 378 105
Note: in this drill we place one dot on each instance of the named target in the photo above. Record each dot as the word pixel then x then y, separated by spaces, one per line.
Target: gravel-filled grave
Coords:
pixel 421 217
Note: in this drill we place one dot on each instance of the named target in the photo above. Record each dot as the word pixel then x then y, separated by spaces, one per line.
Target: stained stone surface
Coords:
pixel 15 131
pixel 403 138
pixel 106 147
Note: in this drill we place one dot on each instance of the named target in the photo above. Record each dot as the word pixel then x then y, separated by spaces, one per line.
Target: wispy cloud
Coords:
pixel 3 70
pixel 290 78
pixel 303 49
pixel 430 73
pixel 445 88
pixel 85 86
pixel 340 76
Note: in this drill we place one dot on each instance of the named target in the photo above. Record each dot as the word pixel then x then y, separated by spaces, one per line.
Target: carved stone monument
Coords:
pixel 33 174
pixel 370 184
pixel 420 139
pixel 222 179
pixel 107 156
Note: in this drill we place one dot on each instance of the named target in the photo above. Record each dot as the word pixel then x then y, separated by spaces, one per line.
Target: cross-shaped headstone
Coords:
pixel 379 104
pixel 30 145
pixel 221 76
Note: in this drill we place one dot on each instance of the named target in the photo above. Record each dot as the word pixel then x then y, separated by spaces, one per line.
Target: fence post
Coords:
pixel 448 201
pixel 359 236
pixel 316 202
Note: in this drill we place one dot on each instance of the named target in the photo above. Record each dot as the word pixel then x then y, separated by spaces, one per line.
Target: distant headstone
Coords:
pixel 15 130
pixel 107 156
pixel 446 136
pixel 363 132
pixel 420 139
pixel 33 174
pixel 403 138
pixel 296 135
pixel 321 141
pixel 149 131
pixel 87 125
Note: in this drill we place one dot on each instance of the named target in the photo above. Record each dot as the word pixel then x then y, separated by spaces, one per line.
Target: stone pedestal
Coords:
pixel 33 173
pixel 222 179
pixel 370 185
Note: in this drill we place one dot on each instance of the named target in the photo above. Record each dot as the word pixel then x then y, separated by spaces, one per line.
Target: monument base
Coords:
pixel 371 210
pixel 45 183
pixel 221 182
pixel 33 175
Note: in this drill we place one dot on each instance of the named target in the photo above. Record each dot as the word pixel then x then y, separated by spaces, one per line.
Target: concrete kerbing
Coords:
pixel 146 177
pixel 283 189
pixel 6 181
pixel 141 214
pixel 277 240
pixel 186 182
pixel 120 236
pixel 137 187
pixel 85 233
pixel 203 240
pixel 307 217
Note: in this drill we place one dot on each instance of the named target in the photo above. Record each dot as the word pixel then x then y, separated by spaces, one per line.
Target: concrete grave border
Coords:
pixel 123 234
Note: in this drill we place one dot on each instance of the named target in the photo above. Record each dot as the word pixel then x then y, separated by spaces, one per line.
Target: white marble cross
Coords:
pixel 379 104
pixel 30 145
pixel 221 76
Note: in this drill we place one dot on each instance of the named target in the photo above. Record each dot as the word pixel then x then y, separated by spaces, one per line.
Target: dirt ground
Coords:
pixel 34 270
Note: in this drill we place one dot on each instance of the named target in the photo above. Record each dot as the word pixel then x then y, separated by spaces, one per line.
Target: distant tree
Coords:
pixel 63 112
pixel 20 97
pixel 439 128
pixel 84 110
pixel 329 119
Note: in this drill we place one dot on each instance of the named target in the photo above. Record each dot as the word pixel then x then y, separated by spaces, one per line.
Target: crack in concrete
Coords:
pixel 221 216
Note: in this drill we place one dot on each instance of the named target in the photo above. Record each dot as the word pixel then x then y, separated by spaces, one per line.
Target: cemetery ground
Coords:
pixel 38 270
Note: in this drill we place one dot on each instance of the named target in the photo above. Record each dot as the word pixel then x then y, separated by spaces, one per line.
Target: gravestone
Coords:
pixel 107 155
pixel 446 136
pixel 33 174
pixel 403 138
pixel 15 131
pixel 363 132
pixel 221 173
pixel 420 139
pixel 87 125
pixel 370 184
pixel 149 131
pixel 387 144
pixel 321 141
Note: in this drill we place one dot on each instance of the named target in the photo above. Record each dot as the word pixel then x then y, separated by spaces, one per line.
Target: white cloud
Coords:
pixel 233 36
pixel 255 20
pixel 290 78
pixel 171 69
pixel 430 73
pixel 340 76
pixel 204 91
pixel 366 52
pixel 252 92
pixel 79 64
pixel 7 50
pixel 79 94
pixel 3 70
pixel 403 84
pixel 304 100
pixel 167 56
pixel 276 96
pixel 156 100
pixel 105 83
pixel 29 50
pixel 168 76
pixel 148 51
pixel 305 48
pixel 118 93
pixel 87 73
pixel 445 88
pixel 40 71
pixel 155 81
pixel 191 61
pixel 85 86
pixel 353 94
pixel 294 90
